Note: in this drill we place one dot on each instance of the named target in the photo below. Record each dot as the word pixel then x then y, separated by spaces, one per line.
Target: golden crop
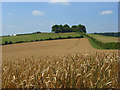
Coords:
pixel 95 70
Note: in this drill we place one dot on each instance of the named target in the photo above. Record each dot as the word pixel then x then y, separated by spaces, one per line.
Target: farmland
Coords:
pixel 99 44
pixel 65 63
pixel 37 36
pixel 60 44
pixel 104 39
pixel 42 48
pixel 98 70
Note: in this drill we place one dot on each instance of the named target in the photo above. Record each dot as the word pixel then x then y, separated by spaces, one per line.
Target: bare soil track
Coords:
pixel 46 48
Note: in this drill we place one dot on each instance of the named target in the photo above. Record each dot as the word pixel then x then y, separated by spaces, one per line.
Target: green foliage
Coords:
pixel 55 28
pixel 36 40
pixel 113 34
pixel 104 39
pixel 101 45
pixel 80 28
pixel 74 28
pixel 31 40
pixel 20 42
pixel 10 42
pixel 79 36
pixel 60 37
pixel 39 37
pixel 69 37
pixel 6 42
pixel 50 38
pixel 66 28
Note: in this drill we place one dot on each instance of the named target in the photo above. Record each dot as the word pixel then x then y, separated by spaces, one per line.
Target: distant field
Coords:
pixel 36 37
pixel 104 39
pixel 39 36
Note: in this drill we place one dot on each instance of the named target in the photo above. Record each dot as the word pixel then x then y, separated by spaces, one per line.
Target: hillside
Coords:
pixel 65 63
pixel 36 37
pixel 104 39
pixel 55 47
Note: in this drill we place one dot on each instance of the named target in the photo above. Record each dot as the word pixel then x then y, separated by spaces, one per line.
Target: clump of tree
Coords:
pixel 66 28
pixel 6 42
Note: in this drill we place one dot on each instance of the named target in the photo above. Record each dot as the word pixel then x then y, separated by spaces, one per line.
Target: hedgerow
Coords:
pixel 110 45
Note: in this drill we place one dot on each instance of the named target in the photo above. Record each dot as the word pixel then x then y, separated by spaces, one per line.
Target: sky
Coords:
pixel 28 17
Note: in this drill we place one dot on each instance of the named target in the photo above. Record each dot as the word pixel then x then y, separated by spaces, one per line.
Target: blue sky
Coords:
pixel 25 17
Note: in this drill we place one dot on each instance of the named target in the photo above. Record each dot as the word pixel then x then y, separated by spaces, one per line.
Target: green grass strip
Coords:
pixel 100 45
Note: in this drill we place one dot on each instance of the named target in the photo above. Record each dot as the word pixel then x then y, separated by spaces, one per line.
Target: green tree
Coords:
pixel 81 28
pixel 74 28
pixel 61 29
pixel 55 28
pixel 67 28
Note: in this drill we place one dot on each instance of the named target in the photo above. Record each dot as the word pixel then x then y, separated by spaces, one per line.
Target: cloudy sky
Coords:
pixel 25 17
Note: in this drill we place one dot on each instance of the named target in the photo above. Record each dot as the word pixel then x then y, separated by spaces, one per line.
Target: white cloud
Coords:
pixel 36 12
pixel 63 2
pixel 106 12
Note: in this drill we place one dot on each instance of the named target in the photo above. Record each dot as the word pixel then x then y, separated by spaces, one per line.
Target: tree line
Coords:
pixel 113 34
pixel 66 28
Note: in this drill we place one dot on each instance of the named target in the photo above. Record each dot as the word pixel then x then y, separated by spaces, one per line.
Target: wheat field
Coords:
pixel 93 69
pixel 98 70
